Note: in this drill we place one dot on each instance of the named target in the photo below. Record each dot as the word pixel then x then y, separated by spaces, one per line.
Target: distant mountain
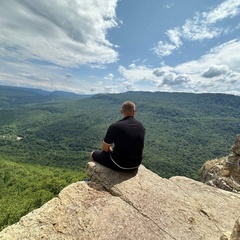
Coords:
pixel 18 95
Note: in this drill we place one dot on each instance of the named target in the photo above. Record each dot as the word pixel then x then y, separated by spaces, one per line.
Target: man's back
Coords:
pixel 127 135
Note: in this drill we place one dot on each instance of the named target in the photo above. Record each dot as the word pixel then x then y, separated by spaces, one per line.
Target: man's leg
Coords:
pixel 103 158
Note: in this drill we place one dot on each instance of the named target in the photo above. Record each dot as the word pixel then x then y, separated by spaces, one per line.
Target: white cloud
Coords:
pixel 172 79
pixel 132 66
pixel 164 48
pixel 137 73
pixel 215 71
pixel 224 54
pixel 174 36
pixel 227 9
pixel 159 72
pixel 201 26
pixel 64 33
pixel 198 29
pixel 42 41
pixel 110 76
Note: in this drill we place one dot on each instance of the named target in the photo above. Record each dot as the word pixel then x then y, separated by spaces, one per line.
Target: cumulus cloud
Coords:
pixel 162 71
pixel 225 54
pixel 215 71
pixel 159 72
pixel 136 73
pixel 110 76
pixel 164 48
pixel 164 77
pixel 201 26
pixel 132 66
pixel 64 33
pixel 172 79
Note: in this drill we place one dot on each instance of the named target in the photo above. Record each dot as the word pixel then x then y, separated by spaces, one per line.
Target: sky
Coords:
pixel 113 46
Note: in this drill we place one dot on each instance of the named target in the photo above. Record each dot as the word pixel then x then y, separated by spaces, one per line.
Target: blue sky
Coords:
pixel 110 46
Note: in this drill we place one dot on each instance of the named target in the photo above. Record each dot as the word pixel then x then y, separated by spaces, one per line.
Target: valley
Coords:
pixel 43 134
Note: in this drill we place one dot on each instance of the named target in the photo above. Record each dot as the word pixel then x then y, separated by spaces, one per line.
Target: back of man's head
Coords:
pixel 128 108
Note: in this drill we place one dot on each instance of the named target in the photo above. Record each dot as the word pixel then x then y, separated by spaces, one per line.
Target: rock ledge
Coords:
pixel 139 205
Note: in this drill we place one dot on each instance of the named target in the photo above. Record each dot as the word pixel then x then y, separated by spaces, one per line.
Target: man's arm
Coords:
pixel 106 147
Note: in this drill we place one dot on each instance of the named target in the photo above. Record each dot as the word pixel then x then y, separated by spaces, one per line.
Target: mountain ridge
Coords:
pixel 11 95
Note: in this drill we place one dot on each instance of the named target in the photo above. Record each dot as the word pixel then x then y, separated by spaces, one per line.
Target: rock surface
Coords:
pixel 224 172
pixel 139 205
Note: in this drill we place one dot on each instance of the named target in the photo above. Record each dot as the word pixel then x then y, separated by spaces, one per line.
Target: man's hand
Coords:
pixel 106 147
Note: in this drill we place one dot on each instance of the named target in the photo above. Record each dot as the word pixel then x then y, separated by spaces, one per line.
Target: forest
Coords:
pixel 46 138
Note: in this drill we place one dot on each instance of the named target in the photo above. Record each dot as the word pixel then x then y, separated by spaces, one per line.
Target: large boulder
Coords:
pixel 139 205
pixel 224 172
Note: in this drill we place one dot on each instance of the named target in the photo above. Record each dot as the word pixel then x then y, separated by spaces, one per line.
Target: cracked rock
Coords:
pixel 140 205
pixel 224 172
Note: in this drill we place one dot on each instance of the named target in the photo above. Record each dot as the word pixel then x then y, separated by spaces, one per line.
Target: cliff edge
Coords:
pixel 224 172
pixel 139 205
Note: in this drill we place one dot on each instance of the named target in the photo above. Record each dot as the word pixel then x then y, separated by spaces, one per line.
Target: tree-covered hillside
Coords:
pixel 10 96
pixel 26 187
pixel 182 130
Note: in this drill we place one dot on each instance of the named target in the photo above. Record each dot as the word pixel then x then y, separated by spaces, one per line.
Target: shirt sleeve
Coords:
pixel 109 137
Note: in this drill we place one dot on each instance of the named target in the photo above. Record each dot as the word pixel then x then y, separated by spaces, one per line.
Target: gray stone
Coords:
pixel 139 205
pixel 236 146
pixel 224 172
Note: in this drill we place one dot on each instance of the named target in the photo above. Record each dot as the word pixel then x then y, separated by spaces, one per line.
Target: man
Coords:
pixel 123 143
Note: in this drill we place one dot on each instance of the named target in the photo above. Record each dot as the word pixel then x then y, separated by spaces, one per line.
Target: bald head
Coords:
pixel 128 108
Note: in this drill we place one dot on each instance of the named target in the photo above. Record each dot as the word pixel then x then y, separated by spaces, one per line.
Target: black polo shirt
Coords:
pixel 127 137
